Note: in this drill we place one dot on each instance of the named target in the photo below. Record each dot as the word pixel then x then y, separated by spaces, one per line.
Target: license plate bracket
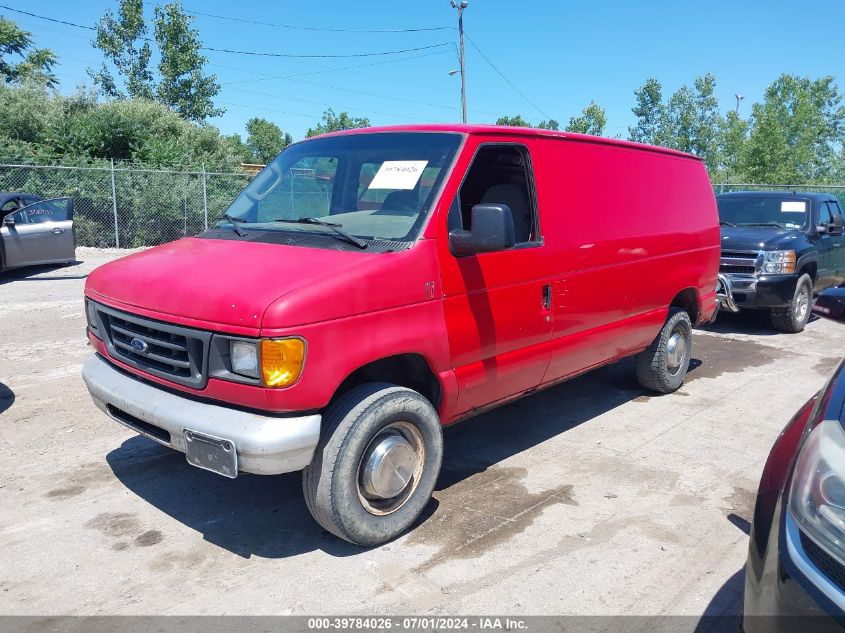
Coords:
pixel 208 452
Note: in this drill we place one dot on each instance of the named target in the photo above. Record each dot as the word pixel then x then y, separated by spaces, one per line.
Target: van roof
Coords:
pixel 499 130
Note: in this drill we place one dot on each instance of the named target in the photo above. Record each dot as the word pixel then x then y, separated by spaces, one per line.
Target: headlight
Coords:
pixel 282 361
pixel 778 262
pixel 817 496
pixel 244 357
pixel 91 315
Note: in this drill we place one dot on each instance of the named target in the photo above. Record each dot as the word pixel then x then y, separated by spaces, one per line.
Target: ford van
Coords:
pixel 371 286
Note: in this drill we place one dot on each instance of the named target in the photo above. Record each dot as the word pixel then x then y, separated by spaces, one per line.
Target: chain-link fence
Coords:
pixel 127 207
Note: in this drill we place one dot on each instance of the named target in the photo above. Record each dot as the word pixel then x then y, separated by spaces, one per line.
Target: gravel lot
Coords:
pixel 588 498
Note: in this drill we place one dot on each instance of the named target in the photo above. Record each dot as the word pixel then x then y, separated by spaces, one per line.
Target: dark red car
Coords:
pixel 370 286
pixel 795 574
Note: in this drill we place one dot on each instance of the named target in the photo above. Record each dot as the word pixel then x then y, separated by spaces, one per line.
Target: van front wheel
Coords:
pixel 663 365
pixel 376 464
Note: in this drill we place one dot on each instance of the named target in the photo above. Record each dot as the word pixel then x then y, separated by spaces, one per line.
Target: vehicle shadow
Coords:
pixel 756 322
pixel 7 397
pixel 724 612
pixel 267 517
pixel 38 273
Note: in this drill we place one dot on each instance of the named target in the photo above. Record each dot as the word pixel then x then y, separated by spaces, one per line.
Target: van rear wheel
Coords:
pixel 376 464
pixel 663 365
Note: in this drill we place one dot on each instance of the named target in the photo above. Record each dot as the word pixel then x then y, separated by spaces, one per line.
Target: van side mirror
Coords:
pixel 830 304
pixel 492 230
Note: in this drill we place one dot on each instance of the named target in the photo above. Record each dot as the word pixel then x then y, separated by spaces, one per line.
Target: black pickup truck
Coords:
pixel 778 248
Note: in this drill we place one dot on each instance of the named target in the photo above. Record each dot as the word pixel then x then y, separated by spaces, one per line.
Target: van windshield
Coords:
pixel 788 213
pixel 369 185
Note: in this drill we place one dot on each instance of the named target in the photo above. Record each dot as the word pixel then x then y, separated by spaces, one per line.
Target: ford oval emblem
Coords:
pixel 138 345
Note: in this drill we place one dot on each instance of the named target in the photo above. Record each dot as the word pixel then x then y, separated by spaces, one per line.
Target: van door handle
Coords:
pixel 547 296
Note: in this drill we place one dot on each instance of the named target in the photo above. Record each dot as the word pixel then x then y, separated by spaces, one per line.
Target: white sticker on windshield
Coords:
pixel 398 174
pixel 793 206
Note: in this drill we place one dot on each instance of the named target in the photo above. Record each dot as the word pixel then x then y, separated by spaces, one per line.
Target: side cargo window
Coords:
pixel 500 174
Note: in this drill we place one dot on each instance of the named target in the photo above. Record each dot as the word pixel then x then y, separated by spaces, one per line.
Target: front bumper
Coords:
pixel 736 292
pixel 265 444
pixel 785 591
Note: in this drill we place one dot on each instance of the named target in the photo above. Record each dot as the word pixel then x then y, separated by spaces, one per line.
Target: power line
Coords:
pixel 507 81
pixel 250 53
pixel 268 77
pixel 311 116
pixel 324 56
pixel 374 94
pixel 339 106
pixel 318 28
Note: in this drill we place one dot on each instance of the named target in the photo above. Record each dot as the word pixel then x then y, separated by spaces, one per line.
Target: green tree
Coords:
pixel 183 85
pixel 35 64
pixel 691 122
pixel 124 44
pixel 592 120
pixel 649 112
pixel 332 122
pixel 513 121
pixel 125 73
pixel 551 124
pixel 265 140
pixel 734 135
pixel 797 132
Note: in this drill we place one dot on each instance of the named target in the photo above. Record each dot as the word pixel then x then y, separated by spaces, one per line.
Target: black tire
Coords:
pixel 795 316
pixel 655 372
pixel 331 482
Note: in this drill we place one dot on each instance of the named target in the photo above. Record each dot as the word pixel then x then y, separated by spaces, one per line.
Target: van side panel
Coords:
pixel 630 229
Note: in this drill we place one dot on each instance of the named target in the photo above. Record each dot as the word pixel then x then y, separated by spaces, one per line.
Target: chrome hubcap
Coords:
pixel 676 351
pixel 390 468
pixel 802 303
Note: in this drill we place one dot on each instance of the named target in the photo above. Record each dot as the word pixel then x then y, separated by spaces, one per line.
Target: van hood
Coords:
pixel 761 238
pixel 209 283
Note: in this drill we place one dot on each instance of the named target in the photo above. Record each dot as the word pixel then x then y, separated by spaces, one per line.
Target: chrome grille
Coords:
pixel 162 349
pixel 738 262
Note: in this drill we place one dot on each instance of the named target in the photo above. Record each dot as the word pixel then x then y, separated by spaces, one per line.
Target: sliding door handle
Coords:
pixel 547 296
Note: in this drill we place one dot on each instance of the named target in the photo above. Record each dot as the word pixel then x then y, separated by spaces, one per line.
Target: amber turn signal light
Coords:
pixel 282 361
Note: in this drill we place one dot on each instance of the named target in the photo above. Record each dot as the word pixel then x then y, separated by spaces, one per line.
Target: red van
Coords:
pixel 371 286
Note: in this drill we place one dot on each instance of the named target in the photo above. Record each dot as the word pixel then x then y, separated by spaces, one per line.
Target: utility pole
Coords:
pixel 738 99
pixel 460 6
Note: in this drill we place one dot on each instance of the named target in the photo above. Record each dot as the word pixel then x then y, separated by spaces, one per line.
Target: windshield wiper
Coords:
pixel 236 226
pixel 780 226
pixel 726 223
pixel 334 226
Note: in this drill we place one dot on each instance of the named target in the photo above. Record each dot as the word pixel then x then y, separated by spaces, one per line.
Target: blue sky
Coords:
pixel 559 54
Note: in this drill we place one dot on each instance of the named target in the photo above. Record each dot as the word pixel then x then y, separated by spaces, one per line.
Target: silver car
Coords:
pixel 35 230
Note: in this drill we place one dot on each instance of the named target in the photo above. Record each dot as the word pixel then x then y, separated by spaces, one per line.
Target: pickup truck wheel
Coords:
pixel 663 365
pixel 795 316
pixel 376 464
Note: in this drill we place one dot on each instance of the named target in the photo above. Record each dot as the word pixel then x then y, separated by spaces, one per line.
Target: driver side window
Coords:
pixel 500 174
pixel 825 215
pixel 19 217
